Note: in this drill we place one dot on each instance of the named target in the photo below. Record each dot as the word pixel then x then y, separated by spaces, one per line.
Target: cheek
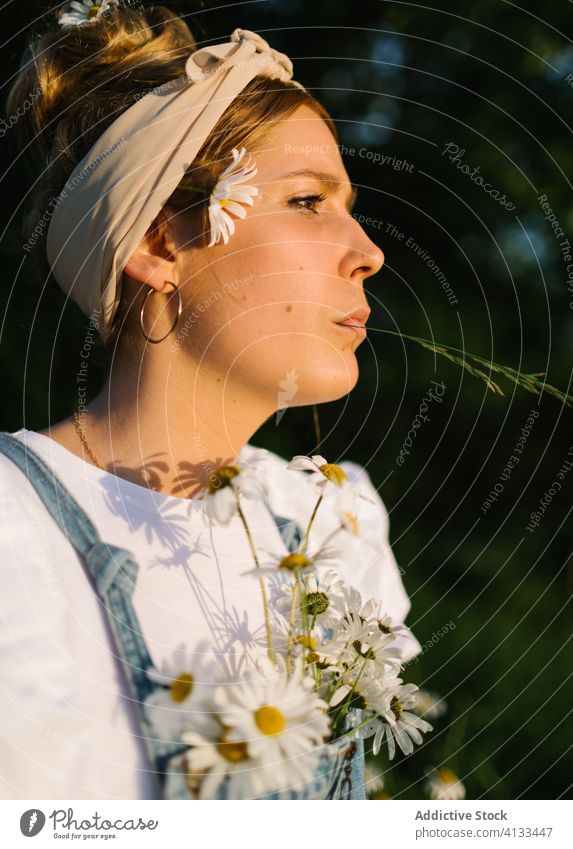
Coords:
pixel 292 283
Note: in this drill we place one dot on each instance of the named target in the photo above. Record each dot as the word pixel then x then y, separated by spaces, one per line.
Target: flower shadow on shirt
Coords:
pixel 166 525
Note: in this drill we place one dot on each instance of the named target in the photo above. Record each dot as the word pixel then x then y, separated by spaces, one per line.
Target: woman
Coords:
pixel 203 227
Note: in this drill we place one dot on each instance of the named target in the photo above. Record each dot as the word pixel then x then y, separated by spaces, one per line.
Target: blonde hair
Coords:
pixel 84 76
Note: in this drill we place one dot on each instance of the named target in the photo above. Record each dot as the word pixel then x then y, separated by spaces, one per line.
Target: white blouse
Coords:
pixel 67 729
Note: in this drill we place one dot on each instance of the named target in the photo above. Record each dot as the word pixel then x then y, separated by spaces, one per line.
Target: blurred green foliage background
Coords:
pixel 405 81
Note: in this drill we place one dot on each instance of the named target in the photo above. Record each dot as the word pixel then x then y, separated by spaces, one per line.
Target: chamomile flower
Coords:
pixel 325 472
pixel 372 610
pixel 399 724
pixel 444 784
pixel 275 720
pixel 183 679
pixel 324 597
pixel 373 780
pixel 214 762
pixel 295 562
pixel 370 692
pixel 430 705
pixel 79 12
pixel 355 645
pixel 345 508
pixel 329 479
pixel 225 484
pixel 229 195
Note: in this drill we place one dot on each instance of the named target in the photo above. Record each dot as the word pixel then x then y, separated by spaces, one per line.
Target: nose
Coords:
pixel 363 257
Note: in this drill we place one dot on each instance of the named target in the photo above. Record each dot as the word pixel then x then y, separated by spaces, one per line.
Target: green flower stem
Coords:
pixel 331 689
pixel 303 605
pixel 305 541
pixel 346 703
pixel 291 626
pixel 261 582
pixel 529 382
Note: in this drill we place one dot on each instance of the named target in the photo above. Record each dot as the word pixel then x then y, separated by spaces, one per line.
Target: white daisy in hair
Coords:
pixel 184 689
pixel 225 484
pixel 78 12
pixel 444 784
pixel 274 725
pixel 228 195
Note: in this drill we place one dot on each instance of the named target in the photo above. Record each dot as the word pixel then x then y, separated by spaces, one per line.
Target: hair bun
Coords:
pixel 74 80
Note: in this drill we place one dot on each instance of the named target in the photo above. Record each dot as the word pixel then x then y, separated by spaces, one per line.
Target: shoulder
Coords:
pixel 15 492
pixel 30 549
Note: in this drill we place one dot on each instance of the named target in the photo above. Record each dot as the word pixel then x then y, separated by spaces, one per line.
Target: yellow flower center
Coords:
pixel 317 602
pixel 333 472
pixel 94 10
pixel 306 641
pixel 296 560
pixel 233 751
pixel 269 720
pixel 351 522
pixel 222 477
pixel 396 707
pixel 448 776
pixel 181 687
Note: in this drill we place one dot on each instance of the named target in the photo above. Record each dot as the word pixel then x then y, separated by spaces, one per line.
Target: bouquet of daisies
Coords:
pixel 331 673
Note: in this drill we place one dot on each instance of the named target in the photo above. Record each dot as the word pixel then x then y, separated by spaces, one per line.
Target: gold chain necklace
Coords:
pixel 84 442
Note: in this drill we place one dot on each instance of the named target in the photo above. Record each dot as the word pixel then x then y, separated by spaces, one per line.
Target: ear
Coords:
pixel 152 263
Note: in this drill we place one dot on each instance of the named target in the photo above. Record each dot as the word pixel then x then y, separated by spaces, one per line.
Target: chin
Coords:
pixel 326 385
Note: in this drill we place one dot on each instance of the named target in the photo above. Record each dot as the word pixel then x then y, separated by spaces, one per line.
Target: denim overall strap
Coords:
pixel 113 571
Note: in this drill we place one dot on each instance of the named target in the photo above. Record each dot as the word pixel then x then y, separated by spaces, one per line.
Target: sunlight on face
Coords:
pixel 267 302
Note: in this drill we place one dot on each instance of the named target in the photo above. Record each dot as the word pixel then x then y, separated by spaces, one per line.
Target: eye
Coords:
pixel 311 200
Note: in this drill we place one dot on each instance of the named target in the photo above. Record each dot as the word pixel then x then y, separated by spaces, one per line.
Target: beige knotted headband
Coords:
pixel 122 183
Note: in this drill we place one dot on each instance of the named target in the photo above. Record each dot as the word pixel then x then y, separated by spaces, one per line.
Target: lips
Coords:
pixel 358 318
pixel 356 321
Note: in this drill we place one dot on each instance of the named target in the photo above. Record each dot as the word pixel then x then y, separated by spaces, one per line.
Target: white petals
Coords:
pixel 444 784
pixel 78 13
pixel 228 196
pixel 221 505
pixel 270 724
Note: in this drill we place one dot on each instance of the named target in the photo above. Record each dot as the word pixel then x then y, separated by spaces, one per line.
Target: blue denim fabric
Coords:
pixel 113 572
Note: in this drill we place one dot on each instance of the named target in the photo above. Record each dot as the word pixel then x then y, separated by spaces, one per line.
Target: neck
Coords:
pixel 169 425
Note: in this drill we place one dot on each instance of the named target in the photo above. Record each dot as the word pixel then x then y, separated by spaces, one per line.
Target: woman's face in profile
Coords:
pixel 263 308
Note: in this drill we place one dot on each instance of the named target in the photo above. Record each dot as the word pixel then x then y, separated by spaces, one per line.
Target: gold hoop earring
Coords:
pixel 179 311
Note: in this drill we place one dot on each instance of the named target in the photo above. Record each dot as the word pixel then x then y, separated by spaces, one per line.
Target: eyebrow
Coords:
pixel 328 181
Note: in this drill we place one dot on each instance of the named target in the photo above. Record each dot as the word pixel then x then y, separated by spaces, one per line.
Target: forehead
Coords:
pixel 301 141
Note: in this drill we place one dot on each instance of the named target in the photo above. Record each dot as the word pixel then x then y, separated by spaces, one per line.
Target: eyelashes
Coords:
pixel 313 200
